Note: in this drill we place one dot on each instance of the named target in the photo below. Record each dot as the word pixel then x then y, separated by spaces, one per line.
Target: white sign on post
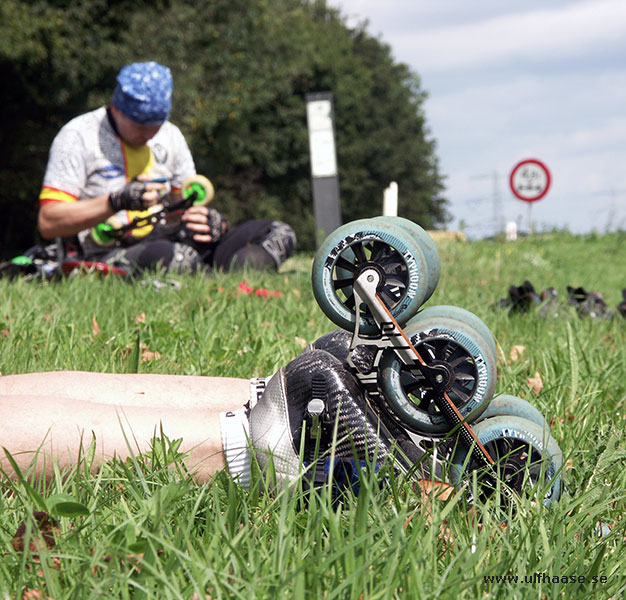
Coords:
pixel 324 175
pixel 321 139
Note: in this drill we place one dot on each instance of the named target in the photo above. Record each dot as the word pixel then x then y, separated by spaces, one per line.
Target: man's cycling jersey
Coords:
pixel 88 159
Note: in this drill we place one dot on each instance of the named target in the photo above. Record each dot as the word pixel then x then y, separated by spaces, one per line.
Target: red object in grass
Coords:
pixel 244 288
pixel 268 293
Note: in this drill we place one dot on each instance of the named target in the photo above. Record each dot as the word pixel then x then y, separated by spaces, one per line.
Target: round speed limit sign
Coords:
pixel 530 180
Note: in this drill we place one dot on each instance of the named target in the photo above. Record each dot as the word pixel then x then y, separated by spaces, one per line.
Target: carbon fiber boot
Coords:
pixel 315 394
pixel 336 342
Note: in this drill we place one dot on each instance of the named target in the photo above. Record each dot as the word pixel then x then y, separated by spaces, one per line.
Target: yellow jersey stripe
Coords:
pixel 50 194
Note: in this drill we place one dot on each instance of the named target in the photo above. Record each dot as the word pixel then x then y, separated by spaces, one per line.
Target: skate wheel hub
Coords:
pixel 444 375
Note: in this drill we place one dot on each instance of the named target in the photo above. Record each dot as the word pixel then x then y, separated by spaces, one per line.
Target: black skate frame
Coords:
pixel 392 336
pixel 158 212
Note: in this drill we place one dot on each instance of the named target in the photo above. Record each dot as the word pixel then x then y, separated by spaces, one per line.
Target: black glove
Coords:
pixel 218 225
pixel 130 197
pixel 181 233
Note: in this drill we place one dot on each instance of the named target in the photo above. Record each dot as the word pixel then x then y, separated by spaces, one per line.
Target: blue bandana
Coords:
pixel 144 93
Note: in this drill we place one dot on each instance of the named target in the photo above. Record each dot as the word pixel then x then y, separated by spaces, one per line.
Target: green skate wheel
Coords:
pixel 525 456
pixel 363 244
pixel 22 261
pixel 507 405
pixel 467 358
pixel 106 234
pixel 444 310
pixel 428 248
pixel 201 187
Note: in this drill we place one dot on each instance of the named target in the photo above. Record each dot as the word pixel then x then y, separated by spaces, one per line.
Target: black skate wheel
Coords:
pixel 463 353
pixel 428 248
pixel 526 458
pixel 365 244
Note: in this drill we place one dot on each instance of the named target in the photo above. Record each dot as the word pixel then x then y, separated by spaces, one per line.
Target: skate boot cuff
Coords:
pixel 235 430
pixel 235 441
pixel 271 433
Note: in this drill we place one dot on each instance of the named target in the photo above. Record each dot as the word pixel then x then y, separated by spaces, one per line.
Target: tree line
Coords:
pixel 241 71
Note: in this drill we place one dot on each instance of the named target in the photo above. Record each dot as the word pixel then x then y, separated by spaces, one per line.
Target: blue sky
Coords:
pixel 508 81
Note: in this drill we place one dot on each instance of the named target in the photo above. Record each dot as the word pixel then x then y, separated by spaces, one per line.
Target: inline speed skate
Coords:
pixel 433 370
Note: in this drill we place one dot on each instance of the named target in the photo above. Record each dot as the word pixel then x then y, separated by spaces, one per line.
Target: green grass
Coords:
pixel 218 541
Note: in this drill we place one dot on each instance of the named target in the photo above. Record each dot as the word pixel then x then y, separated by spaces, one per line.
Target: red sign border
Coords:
pixel 540 164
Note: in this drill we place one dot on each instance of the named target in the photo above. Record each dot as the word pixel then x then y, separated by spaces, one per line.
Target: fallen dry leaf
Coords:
pixel 440 490
pixel 434 490
pixel 141 317
pixel 147 355
pixel 516 352
pixel 429 490
pixel 95 328
pixel 5 333
pixel 44 537
pixel 535 383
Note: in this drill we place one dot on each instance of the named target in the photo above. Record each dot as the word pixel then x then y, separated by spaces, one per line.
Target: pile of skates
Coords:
pixel 524 299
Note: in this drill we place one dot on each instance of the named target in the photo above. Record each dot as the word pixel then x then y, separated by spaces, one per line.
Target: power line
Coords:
pixel 496 198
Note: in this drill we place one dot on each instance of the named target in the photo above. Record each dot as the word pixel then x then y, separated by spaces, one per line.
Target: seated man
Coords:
pixel 120 160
